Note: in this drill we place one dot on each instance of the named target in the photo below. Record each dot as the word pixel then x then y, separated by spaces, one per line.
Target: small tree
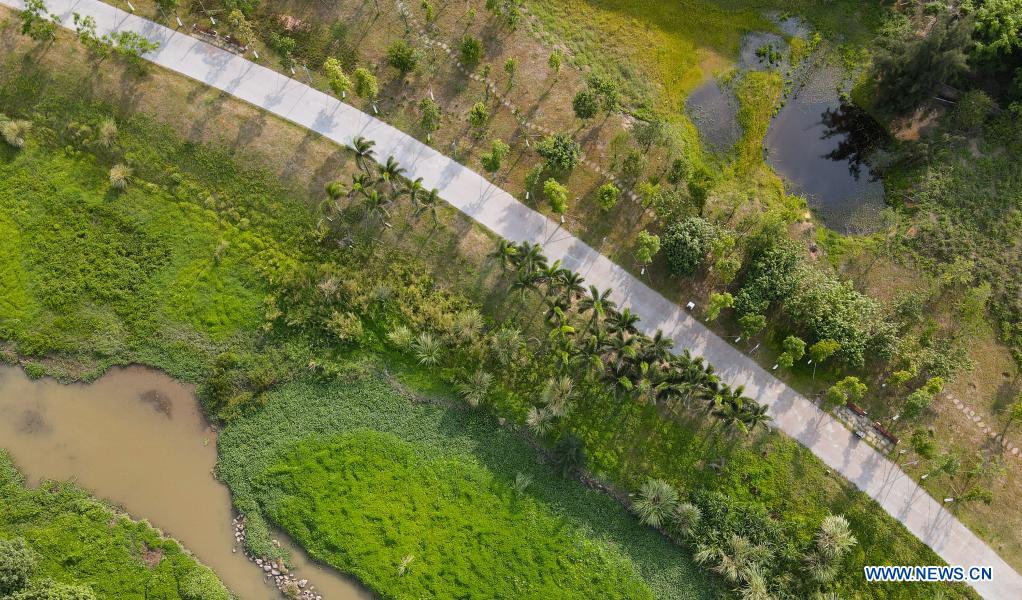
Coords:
pixel 751 324
pixel 606 196
pixel 586 104
pixel 430 115
pixel 492 159
pixel 511 68
pixel 794 350
pixel 470 50
pixel 133 46
pixel 554 62
pixel 240 26
pixel 366 85
pixel 478 116
pixel 402 57
pixel 646 247
pixel 85 31
pixel 606 89
pixel 560 151
pixel 849 389
pixel 717 303
pixel 923 444
pixel 338 81
pixel 38 23
pixel 919 400
pixel 821 351
pixel 556 194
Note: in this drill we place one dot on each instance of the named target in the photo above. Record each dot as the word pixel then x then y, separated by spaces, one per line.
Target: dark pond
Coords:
pixel 821 147
pixel 714 111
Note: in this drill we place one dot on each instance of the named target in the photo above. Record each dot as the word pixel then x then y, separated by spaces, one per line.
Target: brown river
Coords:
pixel 137 438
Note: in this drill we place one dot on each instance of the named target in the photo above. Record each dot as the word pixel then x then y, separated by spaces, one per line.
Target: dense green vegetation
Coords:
pixel 460 450
pixel 57 542
pixel 451 527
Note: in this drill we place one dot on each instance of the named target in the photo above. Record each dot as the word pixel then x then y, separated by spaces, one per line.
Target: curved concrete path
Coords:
pixel 498 210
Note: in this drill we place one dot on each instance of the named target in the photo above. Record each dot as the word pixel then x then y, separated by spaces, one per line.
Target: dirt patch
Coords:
pixel 151 556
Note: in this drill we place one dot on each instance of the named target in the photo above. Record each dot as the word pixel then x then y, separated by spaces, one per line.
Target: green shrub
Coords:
pixel 557 195
pixel 17 563
pixel 402 56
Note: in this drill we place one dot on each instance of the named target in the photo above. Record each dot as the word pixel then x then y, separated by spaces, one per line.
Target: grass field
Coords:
pixel 80 541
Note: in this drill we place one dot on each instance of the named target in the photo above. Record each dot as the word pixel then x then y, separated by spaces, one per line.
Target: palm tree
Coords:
pixel 505 253
pixel 427 349
pixel 530 258
pixel 571 285
pixel 360 183
pixel 474 389
pixel 375 206
pixel 414 189
pixel 597 302
pixel 363 149
pixel 391 172
pixel 506 344
pixel 624 321
pixel 755 415
pixel 523 283
pixel 557 394
pixel 656 502
pixel 658 348
pixel 429 203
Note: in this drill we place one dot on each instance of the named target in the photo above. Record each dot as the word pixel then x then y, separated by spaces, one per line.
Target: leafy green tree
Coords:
pixel 823 349
pixel 492 159
pixel 606 89
pixel 998 26
pixel 403 57
pixel 717 303
pixel 751 324
pixel 794 350
pixel 132 46
pixel 478 116
pixel 656 503
pixel 470 50
pixel 907 68
pixel 699 184
pixel 430 115
pixel 557 195
pixel 972 110
pixel 646 247
pixel 338 81
pixel 85 31
pixel 366 85
pixel 37 22
pixel 849 389
pixel 650 133
pixel 560 152
pixel 687 243
pixel 586 104
pixel 240 27
pixel 606 196
pixel 17 563
pixel 923 444
pixel 919 400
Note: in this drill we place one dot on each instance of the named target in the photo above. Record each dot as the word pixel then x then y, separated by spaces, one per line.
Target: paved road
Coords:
pixel 498 210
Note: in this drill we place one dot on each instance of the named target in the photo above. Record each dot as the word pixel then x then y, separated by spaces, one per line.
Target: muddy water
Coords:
pixel 136 437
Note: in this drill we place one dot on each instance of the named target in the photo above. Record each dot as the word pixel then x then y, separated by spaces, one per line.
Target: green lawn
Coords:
pixel 79 540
